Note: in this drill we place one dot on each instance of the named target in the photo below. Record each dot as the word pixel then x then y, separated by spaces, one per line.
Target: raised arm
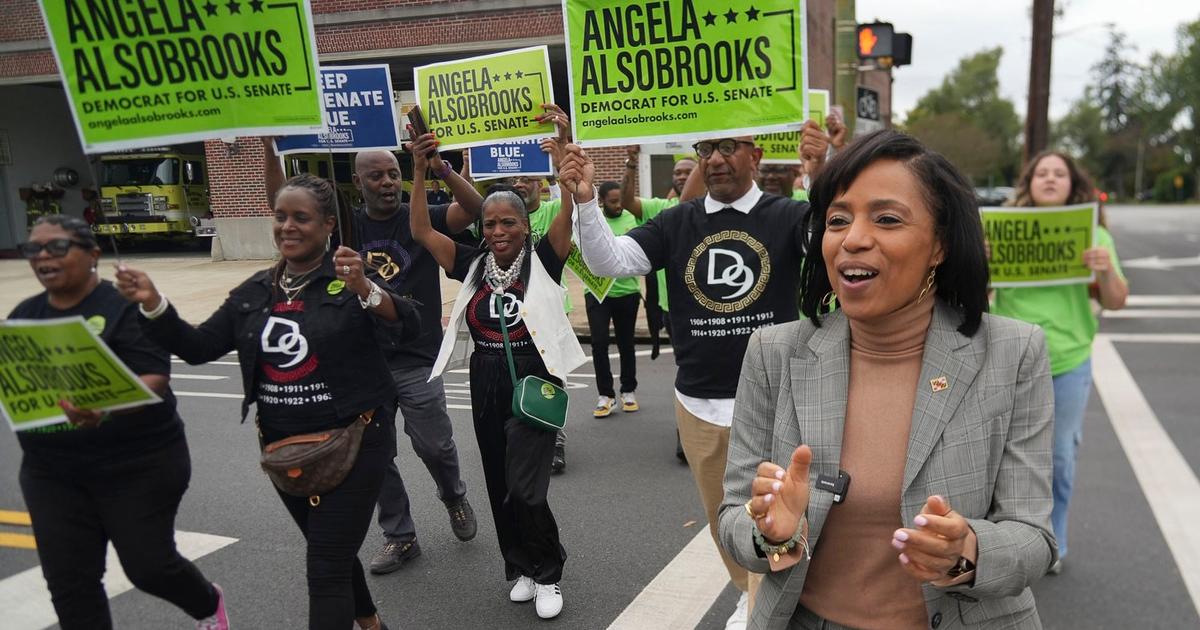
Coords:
pixel 440 246
pixel 467 201
pixel 629 198
pixel 272 170
pixel 561 228
pixel 195 344
pixel 605 254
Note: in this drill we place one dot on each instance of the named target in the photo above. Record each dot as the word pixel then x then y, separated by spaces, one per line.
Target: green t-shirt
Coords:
pixel 539 224
pixel 1064 312
pixel 651 207
pixel 799 194
pixel 620 225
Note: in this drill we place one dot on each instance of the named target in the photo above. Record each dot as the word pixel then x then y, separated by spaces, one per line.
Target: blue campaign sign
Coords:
pixel 359 113
pixel 509 158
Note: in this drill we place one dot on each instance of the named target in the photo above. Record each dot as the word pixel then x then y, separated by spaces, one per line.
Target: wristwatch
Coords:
pixel 374 298
pixel 962 566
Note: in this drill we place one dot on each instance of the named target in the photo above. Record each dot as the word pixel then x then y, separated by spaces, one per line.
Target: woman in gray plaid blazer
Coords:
pixel 890 461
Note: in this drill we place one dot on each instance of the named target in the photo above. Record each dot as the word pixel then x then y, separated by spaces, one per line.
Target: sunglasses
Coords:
pixel 57 248
pixel 727 147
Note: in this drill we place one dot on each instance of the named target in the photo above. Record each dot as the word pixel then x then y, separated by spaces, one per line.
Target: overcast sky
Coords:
pixel 945 31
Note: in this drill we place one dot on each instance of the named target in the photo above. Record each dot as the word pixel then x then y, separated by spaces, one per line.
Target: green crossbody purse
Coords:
pixel 536 401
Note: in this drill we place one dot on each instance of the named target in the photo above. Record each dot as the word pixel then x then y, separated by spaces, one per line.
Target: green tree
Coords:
pixel 971 93
pixel 1180 85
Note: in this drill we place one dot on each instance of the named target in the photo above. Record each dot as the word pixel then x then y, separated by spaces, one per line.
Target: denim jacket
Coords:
pixel 339 330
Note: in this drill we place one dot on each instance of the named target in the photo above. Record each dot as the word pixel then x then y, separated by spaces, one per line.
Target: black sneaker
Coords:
pixel 462 519
pixel 559 463
pixel 393 554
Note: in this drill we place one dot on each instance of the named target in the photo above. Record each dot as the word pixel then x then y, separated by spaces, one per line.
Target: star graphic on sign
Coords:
pixel 233 7
pixel 256 5
pixel 730 16
pixel 519 74
pixel 507 76
pixel 495 78
pixel 710 19
pixel 211 9
pixel 752 14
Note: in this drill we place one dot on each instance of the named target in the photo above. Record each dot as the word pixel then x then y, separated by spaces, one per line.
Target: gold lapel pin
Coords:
pixel 938 384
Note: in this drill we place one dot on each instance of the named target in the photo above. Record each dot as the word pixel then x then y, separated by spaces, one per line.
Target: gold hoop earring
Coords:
pixel 928 285
pixel 829 299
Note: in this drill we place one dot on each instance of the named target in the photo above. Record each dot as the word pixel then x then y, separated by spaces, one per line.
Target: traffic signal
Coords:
pixel 875 40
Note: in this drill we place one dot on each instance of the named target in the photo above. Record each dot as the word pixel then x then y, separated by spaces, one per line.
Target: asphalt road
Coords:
pixel 627 508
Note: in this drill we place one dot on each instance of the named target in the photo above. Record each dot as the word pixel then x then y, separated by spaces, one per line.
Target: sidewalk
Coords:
pixel 197 286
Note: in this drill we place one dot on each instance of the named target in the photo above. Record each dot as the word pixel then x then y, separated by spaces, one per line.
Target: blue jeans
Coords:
pixel 1071 390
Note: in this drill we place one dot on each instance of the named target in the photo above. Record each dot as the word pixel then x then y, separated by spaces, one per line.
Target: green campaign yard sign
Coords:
pixel 598 285
pixel 165 71
pixel 1033 247
pixel 646 71
pixel 784 147
pixel 45 361
pixel 487 99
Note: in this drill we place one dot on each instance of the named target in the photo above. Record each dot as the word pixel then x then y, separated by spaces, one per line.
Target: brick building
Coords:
pixel 37 127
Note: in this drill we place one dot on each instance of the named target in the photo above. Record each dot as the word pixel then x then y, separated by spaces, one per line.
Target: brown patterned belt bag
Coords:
pixel 312 464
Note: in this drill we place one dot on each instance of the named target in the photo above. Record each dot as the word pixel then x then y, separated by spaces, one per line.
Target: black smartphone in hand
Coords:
pixel 419 128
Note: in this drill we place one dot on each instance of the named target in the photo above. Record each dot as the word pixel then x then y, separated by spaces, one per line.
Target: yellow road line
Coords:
pixel 9 517
pixel 20 541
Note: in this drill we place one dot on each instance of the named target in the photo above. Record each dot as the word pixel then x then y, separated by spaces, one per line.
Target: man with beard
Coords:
pixel 392 256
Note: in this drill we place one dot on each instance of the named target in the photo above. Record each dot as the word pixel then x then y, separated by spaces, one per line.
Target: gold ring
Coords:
pixel 751 512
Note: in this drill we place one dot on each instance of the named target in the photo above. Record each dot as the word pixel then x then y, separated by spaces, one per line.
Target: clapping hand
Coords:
pixel 929 550
pixel 779 498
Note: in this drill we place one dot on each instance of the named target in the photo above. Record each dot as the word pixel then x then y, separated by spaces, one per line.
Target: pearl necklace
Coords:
pixel 500 279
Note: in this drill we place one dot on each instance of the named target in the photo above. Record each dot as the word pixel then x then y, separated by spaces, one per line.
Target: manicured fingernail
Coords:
pixel 897 544
pixel 900 535
pixel 777 486
pixel 767 498
pixel 779 474
pixel 921 521
pixel 903 559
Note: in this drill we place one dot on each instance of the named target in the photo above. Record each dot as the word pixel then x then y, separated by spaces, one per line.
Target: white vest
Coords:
pixel 544 317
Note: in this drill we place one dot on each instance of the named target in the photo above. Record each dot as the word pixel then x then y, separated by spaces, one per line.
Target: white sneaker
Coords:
pixel 604 407
pixel 737 621
pixel 523 590
pixel 629 402
pixel 549 601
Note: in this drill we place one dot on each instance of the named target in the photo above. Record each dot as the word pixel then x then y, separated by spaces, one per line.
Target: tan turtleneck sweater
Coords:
pixel 855 578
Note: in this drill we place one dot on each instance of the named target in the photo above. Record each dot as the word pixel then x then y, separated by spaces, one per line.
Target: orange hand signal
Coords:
pixel 866 41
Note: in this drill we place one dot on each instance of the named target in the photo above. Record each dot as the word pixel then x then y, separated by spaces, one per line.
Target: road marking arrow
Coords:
pixel 1154 262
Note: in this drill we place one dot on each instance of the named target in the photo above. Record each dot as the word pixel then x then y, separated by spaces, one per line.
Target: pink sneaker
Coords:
pixel 219 620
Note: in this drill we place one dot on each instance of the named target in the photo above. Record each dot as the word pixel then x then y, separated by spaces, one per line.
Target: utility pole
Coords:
pixel 845 83
pixel 1037 123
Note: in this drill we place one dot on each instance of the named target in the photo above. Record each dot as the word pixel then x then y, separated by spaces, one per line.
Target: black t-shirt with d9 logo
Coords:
pixel 728 273
pixel 289 384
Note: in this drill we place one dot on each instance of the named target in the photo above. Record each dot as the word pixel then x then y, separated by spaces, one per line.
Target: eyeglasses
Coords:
pixel 727 147
pixel 57 248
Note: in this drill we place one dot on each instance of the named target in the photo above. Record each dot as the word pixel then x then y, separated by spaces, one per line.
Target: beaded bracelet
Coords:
pixel 785 547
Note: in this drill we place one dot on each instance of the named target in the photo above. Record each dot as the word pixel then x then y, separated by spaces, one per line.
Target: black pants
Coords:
pixel 516 467
pixel 335 529
pixel 79 504
pixel 622 312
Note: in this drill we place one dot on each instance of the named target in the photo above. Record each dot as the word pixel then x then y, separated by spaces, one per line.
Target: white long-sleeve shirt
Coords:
pixel 621 256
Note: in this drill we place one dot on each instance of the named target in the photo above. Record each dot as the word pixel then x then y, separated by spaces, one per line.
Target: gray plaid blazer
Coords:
pixel 983 443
